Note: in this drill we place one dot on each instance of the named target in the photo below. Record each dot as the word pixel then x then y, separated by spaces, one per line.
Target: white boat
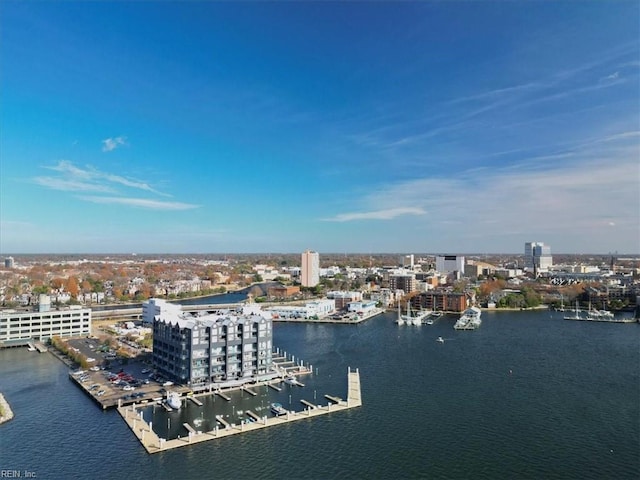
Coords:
pixel 400 319
pixel 277 409
pixel 440 340
pixel 470 319
pixel 174 400
pixel 414 320
pixel 575 315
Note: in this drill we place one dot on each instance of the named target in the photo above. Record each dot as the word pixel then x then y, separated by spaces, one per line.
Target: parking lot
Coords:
pixel 109 378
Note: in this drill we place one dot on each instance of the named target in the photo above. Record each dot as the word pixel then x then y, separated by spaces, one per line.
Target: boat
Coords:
pixel 575 315
pixel 174 400
pixel 470 319
pixel 414 320
pixel 400 319
pixel 440 340
pixel 277 409
pixel 291 380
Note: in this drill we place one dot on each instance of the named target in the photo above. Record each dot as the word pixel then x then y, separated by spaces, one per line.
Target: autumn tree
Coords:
pixel 72 287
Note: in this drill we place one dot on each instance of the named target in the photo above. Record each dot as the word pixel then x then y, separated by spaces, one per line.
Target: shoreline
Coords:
pixel 7 412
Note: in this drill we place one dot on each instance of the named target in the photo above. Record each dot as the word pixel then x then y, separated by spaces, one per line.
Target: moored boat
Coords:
pixel 470 319
pixel 277 409
pixel 174 400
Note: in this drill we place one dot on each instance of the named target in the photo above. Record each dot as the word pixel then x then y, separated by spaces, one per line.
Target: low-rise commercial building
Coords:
pixel 313 309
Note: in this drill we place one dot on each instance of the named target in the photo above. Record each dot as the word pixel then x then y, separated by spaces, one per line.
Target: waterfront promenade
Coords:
pixel 154 444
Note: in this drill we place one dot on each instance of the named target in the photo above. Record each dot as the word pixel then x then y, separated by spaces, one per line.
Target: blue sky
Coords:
pixel 451 127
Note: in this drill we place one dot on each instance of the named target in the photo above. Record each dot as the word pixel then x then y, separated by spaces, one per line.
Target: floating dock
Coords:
pixel 154 444
pixel 222 395
pixel 249 391
pixel 308 404
pixel 195 400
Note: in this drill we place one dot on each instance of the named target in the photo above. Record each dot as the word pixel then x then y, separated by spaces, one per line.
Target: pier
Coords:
pixel 253 415
pixel 222 395
pixel 154 444
pixel 189 428
pixel 224 423
pixel 308 404
pixel 249 391
pixel 195 400
pixel 333 399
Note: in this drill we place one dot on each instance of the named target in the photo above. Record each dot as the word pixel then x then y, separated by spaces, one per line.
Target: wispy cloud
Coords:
pixel 573 196
pixel 519 102
pixel 72 178
pixel 109 144
pixel 91 179
pixel 140 202
pixel 71 185
pixel 613 76
pixel 387 214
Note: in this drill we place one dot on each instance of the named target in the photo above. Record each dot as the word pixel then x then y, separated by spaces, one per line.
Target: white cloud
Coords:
pixel 140 202
pixel 109 144
pixel 613 76
pixel 90 178
pixel 71 185
pixel 569 199
pixel 387 214
pixel 72 178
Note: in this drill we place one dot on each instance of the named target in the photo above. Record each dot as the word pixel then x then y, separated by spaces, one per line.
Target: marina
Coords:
pixel 564 430
pixel 470 319
pixel 153 443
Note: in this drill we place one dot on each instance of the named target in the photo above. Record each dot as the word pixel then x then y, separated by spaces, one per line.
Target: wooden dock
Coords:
pixel 308 404
pixel 337 400
pixel 222 395
pixel 189 428
pixel 253 415
pixel 249 391
pixel 153 444
pixel 224 423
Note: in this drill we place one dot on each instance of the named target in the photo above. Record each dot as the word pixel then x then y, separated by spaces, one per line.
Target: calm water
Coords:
pixel 525 396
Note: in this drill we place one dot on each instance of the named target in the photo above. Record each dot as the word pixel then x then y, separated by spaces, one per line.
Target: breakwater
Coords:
pixel 6 413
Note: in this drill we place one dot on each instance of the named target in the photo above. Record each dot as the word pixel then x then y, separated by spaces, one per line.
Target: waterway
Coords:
pixel 525 396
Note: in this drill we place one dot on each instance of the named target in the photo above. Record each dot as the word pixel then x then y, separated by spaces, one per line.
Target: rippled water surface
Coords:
pixel 525 396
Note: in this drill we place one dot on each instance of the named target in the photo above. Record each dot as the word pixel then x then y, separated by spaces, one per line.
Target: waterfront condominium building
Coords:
pixel 537 256
pixel 156 308
pixel 310 269
pixel 214 349
pixel 20 327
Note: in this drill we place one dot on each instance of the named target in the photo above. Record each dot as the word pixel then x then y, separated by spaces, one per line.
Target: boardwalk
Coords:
pixel 153 444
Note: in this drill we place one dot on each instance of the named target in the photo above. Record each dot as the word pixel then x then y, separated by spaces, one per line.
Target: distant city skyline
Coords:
pixel 356 127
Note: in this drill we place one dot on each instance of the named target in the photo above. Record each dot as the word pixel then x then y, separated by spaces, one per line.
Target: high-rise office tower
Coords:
pixel 537 256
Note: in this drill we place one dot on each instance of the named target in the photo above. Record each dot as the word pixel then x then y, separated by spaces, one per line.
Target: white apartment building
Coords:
pixel 310 269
